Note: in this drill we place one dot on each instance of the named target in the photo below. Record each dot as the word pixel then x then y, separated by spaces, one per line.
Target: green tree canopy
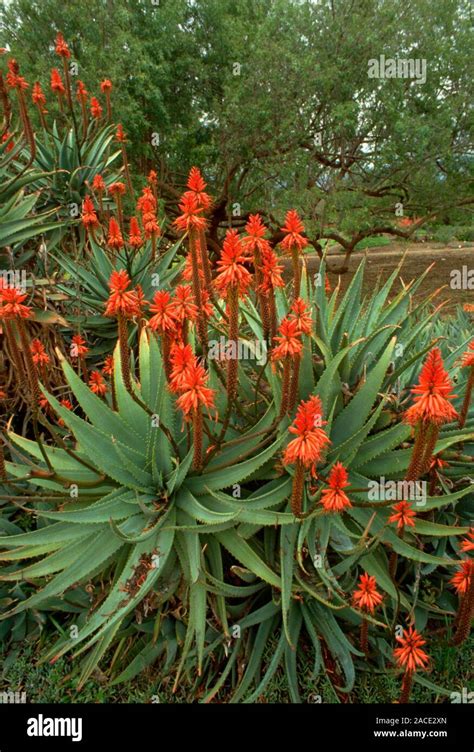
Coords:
pixel 274 101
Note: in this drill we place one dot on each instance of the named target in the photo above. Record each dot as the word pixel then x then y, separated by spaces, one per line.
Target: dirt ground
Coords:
pixel 383 260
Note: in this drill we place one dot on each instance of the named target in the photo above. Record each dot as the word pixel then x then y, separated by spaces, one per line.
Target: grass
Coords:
pixel 56 683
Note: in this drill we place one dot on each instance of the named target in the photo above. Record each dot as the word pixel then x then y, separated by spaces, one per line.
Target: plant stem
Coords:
pixel 124 353
pixel 297 492
pixel 406 687
pixel 467 398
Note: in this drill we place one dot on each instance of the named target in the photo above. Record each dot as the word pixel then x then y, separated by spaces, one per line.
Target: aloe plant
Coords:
pixel 122 502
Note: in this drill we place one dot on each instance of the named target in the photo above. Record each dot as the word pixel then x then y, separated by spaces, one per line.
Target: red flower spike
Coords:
pixel 467 359
pixel 230 265
pixel 164 320
pixel 289 340
pixel 115 239
pixel 120 135
pixel 121 300
pixel 88 216
pixel 311 439
pixel 404 515
pixel 39 354
pixel 195 392
pixel 292 229
pixel 117 189
pixel 37 95
pixel 12 304
pixel 135 236
pixel 462 578
pixel 366 596
pixel 98 183
pixel 183 304
pixel 302 317
pixel 57 83
pixel 97 383
pixel 96 108
pixel 61 46
pixel 190 217
pixel 433 393
pixel 78 346
pixel 409 655
pixel 334 498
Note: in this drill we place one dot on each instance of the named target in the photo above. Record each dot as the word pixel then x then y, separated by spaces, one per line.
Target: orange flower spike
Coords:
pixel 190 217
pixel 96 108
pixel 97 383
pixel 67 404
pixel 271 270
pixel 152 178
pixel 98 183
pixel 12 304
pixel 123 304
pixel 293 243
pixel 256 230
pixel 183 304
pixel 89 217
pixel 150 224
pixel 57 84
pixel 409 655
pixel 311 439
pixel 115 239
pixel 117 189
pixel 292 230
pixel 120 135
pixel 78 346
pixel 164 320
pixel 206 305
pixel 432 393
pixel 37 96
pixel 305 451
pixel 108 367
pixel 147 201
pixel 39 354
pixel 467 544
pixel 302 317
pixel 467 359
pixel 197 186
pixel 289 340
pixel 334 498
pixel 62 48
pixel 230 265
pixel 81 92
pixel 106 88
pixel 403 516
pixel 462 578
pixel 121 300
pixel 135 236
pixel 195 393
pixel 366 597
pixel 463 582
pixel 13 78
pixel 182 360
